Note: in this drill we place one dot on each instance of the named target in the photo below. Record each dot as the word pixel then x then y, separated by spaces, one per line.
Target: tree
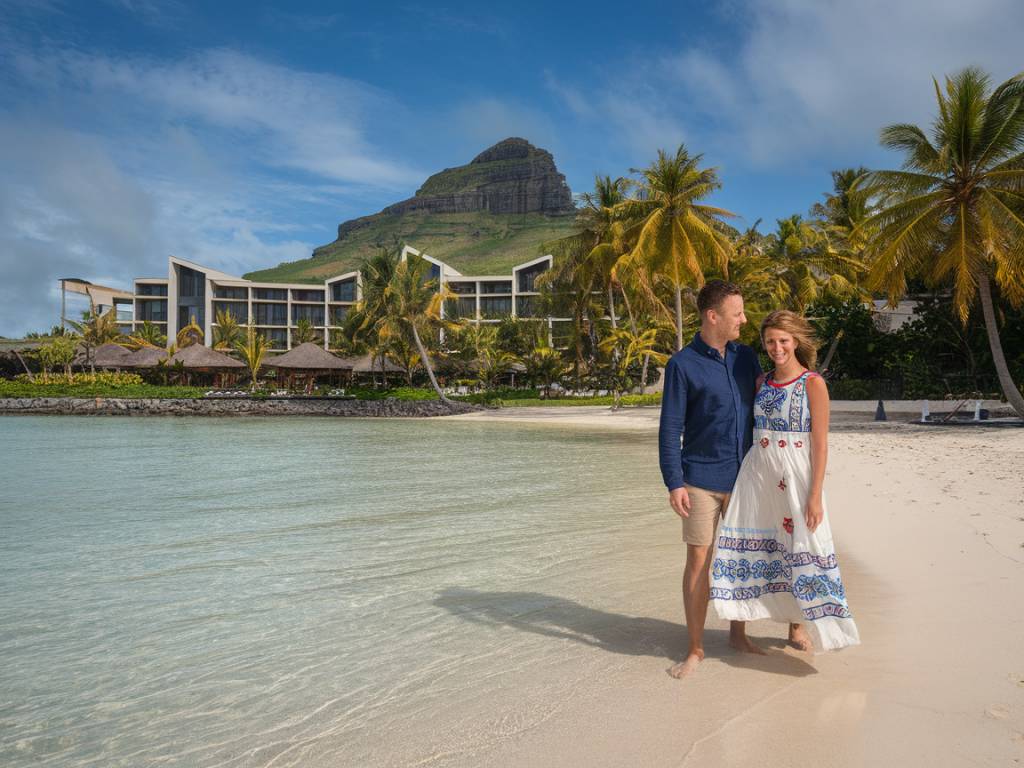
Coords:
pixel 96 330
pixel 632 347
pixel 677 238
pixel 253 350
pixel 227 334
pixel 954 215
pixel 58 351
pixel 146 335
pixel 409 304
pixel 544 364
pixel 304 332
pixel 189 335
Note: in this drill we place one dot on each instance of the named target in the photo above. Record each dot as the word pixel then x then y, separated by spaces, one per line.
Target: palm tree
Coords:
pixel 190 334
pixel 677 238
pixel 955 213
pixel 227 333
pixel 411 303
pixel 808 265
pixel 146 335
pixel 633 347
pixel 304 332
pixel 96 330
pixel 597 218
pixel 252 351
pixel 544 364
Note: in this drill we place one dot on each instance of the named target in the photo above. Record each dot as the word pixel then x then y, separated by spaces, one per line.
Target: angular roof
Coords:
pixel 309 357
pixel 198 356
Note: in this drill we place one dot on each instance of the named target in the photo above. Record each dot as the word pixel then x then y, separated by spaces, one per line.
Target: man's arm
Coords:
pixel 670 432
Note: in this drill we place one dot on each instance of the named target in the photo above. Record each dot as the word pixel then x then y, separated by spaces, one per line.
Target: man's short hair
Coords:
pixel 714 293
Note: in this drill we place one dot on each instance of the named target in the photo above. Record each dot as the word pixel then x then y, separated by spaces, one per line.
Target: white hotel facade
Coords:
pixel 191 290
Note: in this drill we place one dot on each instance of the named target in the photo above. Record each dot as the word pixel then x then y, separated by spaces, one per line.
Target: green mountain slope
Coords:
pixel 477 243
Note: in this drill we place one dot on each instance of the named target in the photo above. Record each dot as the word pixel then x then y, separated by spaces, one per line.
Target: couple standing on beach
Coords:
pixel 748 480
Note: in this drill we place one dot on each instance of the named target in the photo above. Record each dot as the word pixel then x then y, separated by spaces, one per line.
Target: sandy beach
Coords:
pixel 929 523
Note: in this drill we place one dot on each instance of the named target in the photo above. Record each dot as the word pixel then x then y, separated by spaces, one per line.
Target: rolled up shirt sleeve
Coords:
pixel 670 430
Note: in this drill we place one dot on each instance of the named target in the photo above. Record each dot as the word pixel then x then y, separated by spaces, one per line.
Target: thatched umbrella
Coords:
pixel 372 364
pixel 144 357
pixel 201 359
pixel 308 360
pixel 104 356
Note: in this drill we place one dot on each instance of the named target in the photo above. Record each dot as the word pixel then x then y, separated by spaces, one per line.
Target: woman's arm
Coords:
pixel 817 398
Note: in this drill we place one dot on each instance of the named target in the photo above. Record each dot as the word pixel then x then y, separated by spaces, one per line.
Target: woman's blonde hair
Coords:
pixel 801 331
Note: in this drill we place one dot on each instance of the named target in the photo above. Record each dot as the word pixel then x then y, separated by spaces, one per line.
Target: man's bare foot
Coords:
pixel 688 665
pixel 798 638
pixel 742 644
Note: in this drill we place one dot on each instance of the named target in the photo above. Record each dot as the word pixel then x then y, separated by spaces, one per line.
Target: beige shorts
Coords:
pixel 706 509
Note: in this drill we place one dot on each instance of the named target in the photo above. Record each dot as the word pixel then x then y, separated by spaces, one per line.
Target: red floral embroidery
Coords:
pixel 799 443
pixel 782 443
pixel 782 485
pixel 787 523
pixel 764 442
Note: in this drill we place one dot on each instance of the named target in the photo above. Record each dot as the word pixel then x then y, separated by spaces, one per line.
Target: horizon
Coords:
pixel 135 129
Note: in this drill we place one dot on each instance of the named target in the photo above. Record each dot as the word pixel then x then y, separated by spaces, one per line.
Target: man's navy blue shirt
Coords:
pixel 710 403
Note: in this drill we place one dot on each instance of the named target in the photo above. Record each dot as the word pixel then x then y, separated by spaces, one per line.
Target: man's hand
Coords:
pixel 679 500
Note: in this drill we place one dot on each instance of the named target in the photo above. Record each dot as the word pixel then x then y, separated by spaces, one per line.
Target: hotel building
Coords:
pixel 191 290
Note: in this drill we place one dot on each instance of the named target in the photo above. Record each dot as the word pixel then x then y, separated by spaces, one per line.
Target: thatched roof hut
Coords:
pixel 309 357
pixel 104 356
pixel 371 364
pixel 197 357
pixel 144 357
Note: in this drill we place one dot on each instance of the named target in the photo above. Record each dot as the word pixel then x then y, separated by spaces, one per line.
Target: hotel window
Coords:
pixel 338 315
pixel 314 314
pixel 277 338
pixel 298 295
pixel 154 311
pixel 230 292
pixel 150 289
pixel 526 306
pixel 237 309
pixel 270 294
pixel 462 307
pixel 528 277
pixel 494 308
pixel 344 290
pixel 496 286
pixel 190 282
pixel 462 287
pixel 270 314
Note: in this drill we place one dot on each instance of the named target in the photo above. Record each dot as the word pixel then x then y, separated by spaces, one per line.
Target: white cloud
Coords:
pixel 289 119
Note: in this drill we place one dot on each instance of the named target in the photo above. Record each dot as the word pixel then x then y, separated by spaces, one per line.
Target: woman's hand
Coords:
pixel 814 513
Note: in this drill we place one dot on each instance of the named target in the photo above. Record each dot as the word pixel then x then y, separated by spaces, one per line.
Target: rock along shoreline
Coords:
pixel 114 406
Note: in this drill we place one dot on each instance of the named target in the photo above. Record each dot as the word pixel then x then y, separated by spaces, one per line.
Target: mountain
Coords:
pixel 482 218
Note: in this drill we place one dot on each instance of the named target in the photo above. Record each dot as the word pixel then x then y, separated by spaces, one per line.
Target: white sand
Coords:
pixel 929 523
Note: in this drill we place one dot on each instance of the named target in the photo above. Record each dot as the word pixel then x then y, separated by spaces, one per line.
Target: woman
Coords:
pixel 774 557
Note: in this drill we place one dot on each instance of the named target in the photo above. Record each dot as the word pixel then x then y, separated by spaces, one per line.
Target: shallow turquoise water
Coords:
pixel 285 591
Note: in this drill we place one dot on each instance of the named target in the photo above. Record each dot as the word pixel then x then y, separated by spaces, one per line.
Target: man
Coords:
pixel 708 400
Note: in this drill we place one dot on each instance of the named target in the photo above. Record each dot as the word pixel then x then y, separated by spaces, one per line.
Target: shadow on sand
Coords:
pixel 563 619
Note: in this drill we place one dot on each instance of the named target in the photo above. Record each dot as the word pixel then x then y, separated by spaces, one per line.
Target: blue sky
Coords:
pixel 240 134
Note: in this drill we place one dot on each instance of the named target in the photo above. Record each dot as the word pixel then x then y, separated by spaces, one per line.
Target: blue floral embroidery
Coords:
pixel 813 587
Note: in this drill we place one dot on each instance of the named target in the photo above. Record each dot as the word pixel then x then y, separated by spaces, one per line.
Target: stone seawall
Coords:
pixel 110 406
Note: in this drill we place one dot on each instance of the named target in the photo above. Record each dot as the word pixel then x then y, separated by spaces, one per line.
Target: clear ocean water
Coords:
pixel 272 592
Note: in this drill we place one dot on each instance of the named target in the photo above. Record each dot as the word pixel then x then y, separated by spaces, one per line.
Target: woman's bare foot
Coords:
pixel 798 638
pixel 687 665
pixel 738 640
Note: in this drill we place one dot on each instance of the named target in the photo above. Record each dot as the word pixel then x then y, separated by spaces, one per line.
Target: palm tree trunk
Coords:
pixel 611 306
pixel 679 317
pixel 1013 395
pixel 629 309
pixel 643 374
pixel 428 366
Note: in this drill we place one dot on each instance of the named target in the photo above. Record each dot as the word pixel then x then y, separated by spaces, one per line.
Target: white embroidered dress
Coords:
pixel 766 564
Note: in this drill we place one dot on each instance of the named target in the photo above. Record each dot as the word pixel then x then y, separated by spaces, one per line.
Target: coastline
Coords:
pixel 112 406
